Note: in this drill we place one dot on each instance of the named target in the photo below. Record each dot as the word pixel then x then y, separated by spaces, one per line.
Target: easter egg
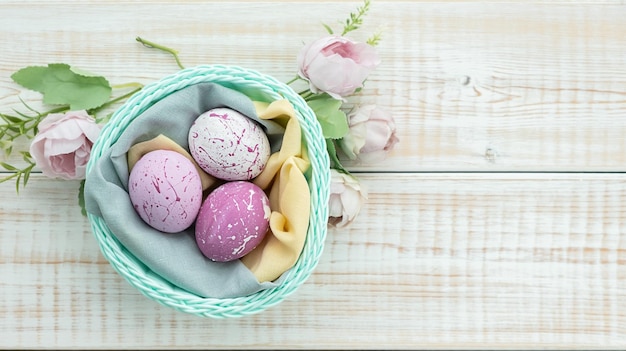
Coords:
pixel 228 145
pixel 232 221
pixel 165 190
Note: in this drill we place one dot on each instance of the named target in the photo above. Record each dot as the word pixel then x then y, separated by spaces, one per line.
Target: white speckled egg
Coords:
pixel 232 221
pixel 165 190
pixel 228 145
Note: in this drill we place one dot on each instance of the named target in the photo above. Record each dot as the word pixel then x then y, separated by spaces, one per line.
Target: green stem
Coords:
pixel 26 123
pixel 13 175
pixel 127 85
pixel 35 121
pixel 94 111
pixel 355 20
pixel 59 109
pixel 122 97
pixel 306 94
pixel 153 45
pixel 293 80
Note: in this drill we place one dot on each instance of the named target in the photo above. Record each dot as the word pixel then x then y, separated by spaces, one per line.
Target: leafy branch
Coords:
pixel 22 124
pixel 49 80
pixel 353 22
pixel 69 88
pixel 356 19
pixel 22 174
pixel 374 39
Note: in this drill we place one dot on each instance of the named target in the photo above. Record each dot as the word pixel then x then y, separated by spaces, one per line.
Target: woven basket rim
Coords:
pixel 155 287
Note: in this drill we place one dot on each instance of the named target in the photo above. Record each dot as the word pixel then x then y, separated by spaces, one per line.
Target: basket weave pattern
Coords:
pixel 154 286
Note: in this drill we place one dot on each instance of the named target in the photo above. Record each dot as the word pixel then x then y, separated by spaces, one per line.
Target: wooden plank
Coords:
pixel 433 261
pixel 509 86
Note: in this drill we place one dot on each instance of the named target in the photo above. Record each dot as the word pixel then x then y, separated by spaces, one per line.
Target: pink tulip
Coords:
pixel 336 65
pixel 346 198
pixel 371 136
pixel 62 146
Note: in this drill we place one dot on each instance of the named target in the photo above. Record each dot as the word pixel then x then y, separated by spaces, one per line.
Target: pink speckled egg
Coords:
pixel 165 190
pixel 228 145
pixel 232 221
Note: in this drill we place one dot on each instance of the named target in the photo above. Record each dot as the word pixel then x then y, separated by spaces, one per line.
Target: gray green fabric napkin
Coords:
pixel 174 257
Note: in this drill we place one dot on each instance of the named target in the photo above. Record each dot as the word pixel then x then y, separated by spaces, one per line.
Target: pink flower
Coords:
pixel 371 136
pixel 346 198
pixel 62 146
pixel 336 65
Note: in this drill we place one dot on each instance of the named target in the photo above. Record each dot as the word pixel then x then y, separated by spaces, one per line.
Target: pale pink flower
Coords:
pixel 336 65
pixel 347 195
pixel 62 146
pixel 371 136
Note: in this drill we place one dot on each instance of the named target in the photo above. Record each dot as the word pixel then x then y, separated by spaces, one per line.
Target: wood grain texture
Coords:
pixel 510 257
pixel 433 261
pixel 509 86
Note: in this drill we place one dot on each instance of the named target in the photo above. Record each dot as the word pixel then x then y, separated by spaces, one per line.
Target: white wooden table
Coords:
pixel 497 222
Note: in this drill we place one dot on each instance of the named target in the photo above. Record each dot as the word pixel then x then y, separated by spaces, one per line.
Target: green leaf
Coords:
pixel 26 177
pixel 11 119
pixel 26 156
pixel 60 84
pixel 6 144
pixel 81 198
pixel 13 129
pixel 7 178
pixel 31 77
pixel 23 115
pixel 334 159
pixel 82 72
pixel 8 167
pixel 333 121
pixel 335 126
pixel 328 29
pixel 19 174
pixel 17 183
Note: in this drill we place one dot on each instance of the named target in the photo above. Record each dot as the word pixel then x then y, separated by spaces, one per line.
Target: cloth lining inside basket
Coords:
pixel 106 195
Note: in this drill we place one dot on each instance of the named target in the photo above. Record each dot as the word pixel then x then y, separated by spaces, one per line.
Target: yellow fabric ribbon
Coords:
pixel 289 195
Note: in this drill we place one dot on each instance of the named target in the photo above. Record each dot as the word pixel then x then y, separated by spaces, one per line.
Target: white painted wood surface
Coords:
pixel 516 256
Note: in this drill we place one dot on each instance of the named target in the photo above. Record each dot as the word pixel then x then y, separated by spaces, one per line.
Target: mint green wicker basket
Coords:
pixel 255 85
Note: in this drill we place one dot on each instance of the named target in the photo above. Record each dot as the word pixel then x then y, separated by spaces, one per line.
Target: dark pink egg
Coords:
pixel 232 221
pixel 228 145
pixel 165 190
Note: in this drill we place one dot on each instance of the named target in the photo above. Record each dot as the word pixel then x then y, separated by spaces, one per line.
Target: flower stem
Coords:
pixel 111 102
pixel 293 80
pixel 59 109
pixel 306 94
pixel 122 97
pixel 127 85
pixel 153 45
pixel 40 116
